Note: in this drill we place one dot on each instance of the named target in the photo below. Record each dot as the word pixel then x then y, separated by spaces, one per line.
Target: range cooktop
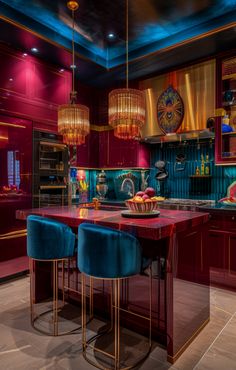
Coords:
pixel 185 204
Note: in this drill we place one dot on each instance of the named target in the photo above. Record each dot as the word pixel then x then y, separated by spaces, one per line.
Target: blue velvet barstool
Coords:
pixel 52 241
pixel 105 253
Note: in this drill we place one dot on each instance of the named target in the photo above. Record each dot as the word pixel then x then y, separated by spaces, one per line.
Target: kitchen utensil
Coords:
pixel 161 175
pixel 160 165
pixel 180 162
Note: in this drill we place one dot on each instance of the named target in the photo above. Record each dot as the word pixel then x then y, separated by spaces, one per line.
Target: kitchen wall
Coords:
pixel 179 183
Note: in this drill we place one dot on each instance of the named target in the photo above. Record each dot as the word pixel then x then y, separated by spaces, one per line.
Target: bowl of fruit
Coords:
pixel 143 201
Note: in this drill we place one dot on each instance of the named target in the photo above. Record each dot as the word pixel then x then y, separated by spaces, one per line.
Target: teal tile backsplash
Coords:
pixel 179 183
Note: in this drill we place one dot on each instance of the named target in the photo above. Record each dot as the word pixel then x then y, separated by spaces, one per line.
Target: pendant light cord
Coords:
pixel 73 52
pixel 127 43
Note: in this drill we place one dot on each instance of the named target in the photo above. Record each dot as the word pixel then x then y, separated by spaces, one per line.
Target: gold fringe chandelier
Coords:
pixel 73 119
pixel 126 112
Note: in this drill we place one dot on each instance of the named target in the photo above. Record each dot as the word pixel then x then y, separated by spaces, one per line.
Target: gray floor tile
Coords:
pixel 21 347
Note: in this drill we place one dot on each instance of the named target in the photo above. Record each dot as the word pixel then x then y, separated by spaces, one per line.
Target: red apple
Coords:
pixel 150 192
pixel 139 194
pixel 145 197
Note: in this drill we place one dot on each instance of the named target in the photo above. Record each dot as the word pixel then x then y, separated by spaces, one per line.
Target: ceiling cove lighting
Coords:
pixel 73 119
pixel 126 112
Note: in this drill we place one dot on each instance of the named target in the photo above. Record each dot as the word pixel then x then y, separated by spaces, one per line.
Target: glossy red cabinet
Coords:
pixel 15 191
pixel 114 152
pixel 222 250
pixel 87 154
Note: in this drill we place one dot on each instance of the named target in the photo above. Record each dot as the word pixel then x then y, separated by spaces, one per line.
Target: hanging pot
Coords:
pixel 162 175
pixel 160 165
pixel 180 162
pixel 180 157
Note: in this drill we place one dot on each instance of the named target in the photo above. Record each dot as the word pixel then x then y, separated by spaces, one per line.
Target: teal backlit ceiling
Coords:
pixel 178 184
pixel 154 25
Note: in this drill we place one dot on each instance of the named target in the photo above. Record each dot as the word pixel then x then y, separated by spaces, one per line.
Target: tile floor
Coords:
pixel 23 348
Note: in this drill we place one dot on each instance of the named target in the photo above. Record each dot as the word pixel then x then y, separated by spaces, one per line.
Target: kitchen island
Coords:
pixel 175 241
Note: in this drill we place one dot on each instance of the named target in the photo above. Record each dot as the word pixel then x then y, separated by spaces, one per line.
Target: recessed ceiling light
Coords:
pixel 61 70
pixel 73 66
pixel 34 50
pixel 25 54
pixel 111 35
pixel 11 79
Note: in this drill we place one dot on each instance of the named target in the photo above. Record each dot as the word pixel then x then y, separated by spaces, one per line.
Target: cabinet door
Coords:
pixel 87 153
pixel 231 260
pixel 83 153
pixel 217 256
pixel 104 149
pixel 226 101
pixel 190 265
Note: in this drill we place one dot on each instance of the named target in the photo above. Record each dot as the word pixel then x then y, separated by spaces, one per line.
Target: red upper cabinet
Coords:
pixel 226 100
pixel 114 152
pixel 87 154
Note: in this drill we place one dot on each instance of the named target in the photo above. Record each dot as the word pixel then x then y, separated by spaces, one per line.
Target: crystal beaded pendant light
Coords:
pixel 126 110
pixel 73 119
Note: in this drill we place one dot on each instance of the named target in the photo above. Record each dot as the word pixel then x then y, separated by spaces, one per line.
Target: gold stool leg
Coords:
pixel 90 298
pixel 55 297
pixel 150 306
pixel 83 297
pixel 31 268
pixel 117 324
pixel 63 282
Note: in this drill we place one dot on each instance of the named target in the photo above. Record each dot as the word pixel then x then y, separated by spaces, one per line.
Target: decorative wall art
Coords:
pixel 170 110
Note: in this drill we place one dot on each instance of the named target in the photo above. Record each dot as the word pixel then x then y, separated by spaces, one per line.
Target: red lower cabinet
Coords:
pixel 222 250
pixel 192 257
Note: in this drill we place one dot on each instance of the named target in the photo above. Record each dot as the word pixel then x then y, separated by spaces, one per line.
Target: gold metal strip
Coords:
pixel 14 232
pixel 133 313
pixel 71 289
pixel 11 125
pixel 49 122
pixel 20 235
pixel 172 359
pixel 100 350
pixel 101 128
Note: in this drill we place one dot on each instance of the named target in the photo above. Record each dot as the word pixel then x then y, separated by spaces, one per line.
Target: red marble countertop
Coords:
pixel 165 225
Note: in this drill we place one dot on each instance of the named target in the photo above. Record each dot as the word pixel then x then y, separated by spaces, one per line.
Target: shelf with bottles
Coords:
pixel 200 176
pixel 225 127
pixel 203 167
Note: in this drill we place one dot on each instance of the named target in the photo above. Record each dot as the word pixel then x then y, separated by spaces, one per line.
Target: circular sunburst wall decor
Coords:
pixel 170 110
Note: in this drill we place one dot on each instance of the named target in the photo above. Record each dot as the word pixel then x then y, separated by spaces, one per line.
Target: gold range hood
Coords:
pixel 196 86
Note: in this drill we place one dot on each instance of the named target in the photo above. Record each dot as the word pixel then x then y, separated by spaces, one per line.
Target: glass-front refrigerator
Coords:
pixel 15 192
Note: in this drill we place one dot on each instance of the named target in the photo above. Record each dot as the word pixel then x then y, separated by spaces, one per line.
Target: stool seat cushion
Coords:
pixel 107 253
pixel 49 239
